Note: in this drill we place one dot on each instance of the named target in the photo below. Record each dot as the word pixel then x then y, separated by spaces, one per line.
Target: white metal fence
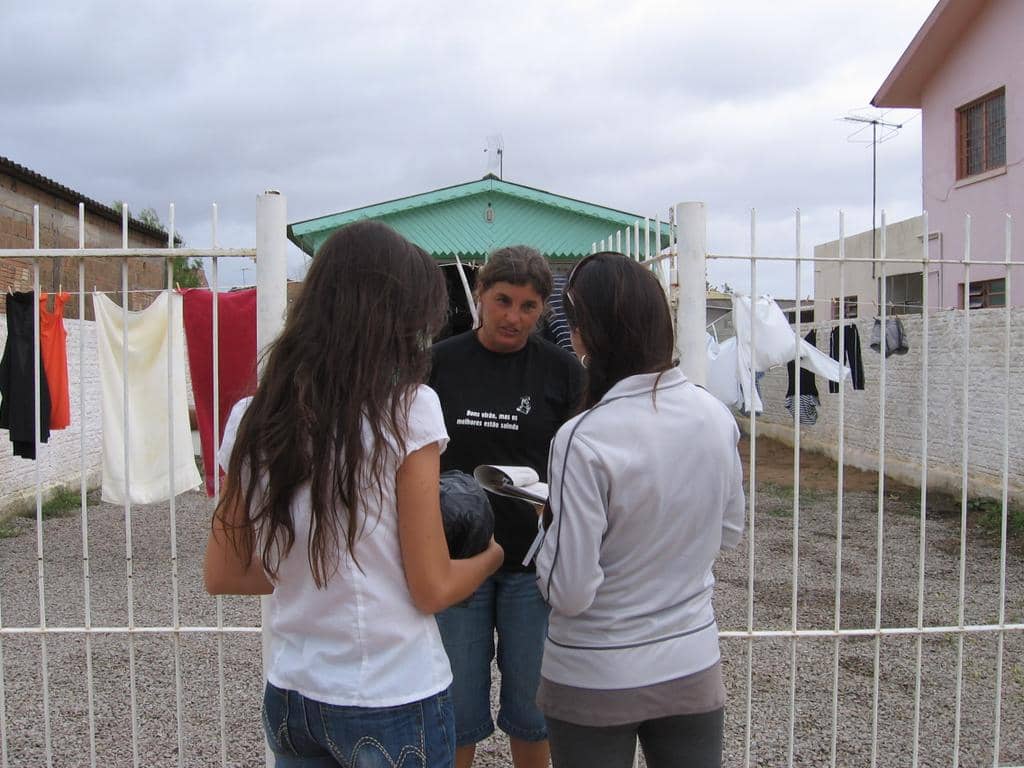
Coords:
pixel 270 254
pixel 790 636
pixel 1004 745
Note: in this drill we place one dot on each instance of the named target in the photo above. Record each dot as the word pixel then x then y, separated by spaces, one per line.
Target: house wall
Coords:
pixel 987 56
pixel 58 228
pixel 902 241
pixel 903 404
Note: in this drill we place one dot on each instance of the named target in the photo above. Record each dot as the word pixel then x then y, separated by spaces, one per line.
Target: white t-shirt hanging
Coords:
pixel 146 430
pixel 360 641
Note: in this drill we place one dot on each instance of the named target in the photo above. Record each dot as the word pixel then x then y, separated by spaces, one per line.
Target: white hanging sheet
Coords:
pixel 146 430
pixel 730 363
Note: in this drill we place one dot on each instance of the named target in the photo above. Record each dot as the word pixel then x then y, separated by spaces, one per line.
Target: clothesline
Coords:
pixel 833 319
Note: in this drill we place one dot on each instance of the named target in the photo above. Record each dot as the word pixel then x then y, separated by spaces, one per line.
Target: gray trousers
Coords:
pixel 681 741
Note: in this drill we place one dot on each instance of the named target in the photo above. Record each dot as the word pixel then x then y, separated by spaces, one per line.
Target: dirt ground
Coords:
pixel 817 471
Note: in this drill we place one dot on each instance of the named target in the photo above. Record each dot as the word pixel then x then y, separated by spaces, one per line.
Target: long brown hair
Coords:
pixel 619 309
pixel 355 345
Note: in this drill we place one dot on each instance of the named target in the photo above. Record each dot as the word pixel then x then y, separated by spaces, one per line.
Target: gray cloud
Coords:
pixel 634 106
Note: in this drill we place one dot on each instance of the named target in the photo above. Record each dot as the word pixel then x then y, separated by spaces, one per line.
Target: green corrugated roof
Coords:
pixel 451 221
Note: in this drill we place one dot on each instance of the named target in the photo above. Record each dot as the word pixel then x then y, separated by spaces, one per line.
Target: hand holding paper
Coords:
pixel 520 483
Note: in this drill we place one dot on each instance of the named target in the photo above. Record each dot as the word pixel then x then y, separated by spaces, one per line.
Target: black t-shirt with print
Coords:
pixel 504 409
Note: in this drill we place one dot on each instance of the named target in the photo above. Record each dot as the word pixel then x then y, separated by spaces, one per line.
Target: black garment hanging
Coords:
pixel 853 356
pixel 809 401
pixel 17 379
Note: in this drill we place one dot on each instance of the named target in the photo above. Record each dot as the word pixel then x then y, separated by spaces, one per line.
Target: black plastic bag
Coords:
pixel 466 513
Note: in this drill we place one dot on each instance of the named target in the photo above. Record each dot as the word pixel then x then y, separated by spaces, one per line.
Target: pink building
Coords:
pixel 965 71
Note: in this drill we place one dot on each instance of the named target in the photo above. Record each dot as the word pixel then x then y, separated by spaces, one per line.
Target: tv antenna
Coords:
pixel 495 151
pixel 889 131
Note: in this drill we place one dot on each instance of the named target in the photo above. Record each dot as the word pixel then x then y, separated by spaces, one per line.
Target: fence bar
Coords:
pixel 173 300
pixel 135 252
pixel 880 522
pixel 840 464
pixel 923 523
pixel 796 500
pixel 691 312
pixel 752 496
pixel 128 557
pixel 740 634
pixel 965 425
pixel 215 331
pixel 37 422
pixel 83 493
pixel 1006 496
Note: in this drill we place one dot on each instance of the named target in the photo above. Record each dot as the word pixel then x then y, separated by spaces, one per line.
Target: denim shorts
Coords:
pixel 303 733
pixel 511 604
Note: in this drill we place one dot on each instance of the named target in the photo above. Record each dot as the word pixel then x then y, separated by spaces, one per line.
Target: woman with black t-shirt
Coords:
pixel 504 391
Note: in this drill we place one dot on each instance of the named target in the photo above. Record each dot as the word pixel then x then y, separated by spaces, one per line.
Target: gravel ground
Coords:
pixel 771 662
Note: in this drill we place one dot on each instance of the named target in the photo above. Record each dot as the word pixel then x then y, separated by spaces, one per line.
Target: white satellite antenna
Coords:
pixel 495 153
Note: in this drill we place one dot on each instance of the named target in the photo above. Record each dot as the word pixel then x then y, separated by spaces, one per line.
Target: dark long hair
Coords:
pixel 355 345
pixel 620 311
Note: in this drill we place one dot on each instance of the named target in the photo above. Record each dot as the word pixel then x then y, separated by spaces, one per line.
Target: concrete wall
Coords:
pixel 987 56
pixel 903 408
pixel 59 462
pixel 902 241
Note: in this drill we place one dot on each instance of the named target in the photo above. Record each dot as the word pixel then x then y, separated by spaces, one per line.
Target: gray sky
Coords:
pixel 337 104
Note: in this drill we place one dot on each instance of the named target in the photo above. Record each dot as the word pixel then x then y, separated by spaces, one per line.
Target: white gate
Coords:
pixel 63 683
pixel 914 660
pixel 858 627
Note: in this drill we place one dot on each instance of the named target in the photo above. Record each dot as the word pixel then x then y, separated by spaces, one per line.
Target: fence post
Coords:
pixel 691 314
pixel 271 304
pixel 271 267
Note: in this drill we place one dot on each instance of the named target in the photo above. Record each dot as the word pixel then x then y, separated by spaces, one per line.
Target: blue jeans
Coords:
pixel 511 604
pixel 303 733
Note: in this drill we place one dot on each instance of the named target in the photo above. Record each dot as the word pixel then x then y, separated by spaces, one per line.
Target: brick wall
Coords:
pixel 903 404
pixel 58 228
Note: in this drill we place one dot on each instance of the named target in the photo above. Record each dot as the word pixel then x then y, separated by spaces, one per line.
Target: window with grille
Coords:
pixel 986 293
pixel 849 307
pixel 904 294
pixel 981 135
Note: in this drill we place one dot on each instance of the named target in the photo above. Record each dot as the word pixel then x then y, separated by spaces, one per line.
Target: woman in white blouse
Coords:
pixel 331 506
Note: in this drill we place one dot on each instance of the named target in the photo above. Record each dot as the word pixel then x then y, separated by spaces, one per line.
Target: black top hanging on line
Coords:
pixel 17 379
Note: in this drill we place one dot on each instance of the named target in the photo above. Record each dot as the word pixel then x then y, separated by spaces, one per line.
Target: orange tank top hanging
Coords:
pixel 54 352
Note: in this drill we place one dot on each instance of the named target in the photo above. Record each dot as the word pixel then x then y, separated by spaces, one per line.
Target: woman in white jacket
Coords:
pixel 646 488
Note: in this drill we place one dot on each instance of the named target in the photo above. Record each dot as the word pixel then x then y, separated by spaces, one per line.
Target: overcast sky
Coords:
pixel 633 105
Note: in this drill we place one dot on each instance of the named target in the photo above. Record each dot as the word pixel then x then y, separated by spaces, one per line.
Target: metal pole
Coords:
pixel 691 315
pixel 271 305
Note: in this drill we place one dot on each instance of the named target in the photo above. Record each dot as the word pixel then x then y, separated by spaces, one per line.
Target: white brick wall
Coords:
pixel 903 412
pixel 59 462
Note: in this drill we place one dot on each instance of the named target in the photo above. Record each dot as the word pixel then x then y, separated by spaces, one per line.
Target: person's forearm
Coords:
pixel 467 574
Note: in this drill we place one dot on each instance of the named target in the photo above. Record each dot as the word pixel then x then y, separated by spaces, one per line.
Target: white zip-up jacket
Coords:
pixel 644 493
